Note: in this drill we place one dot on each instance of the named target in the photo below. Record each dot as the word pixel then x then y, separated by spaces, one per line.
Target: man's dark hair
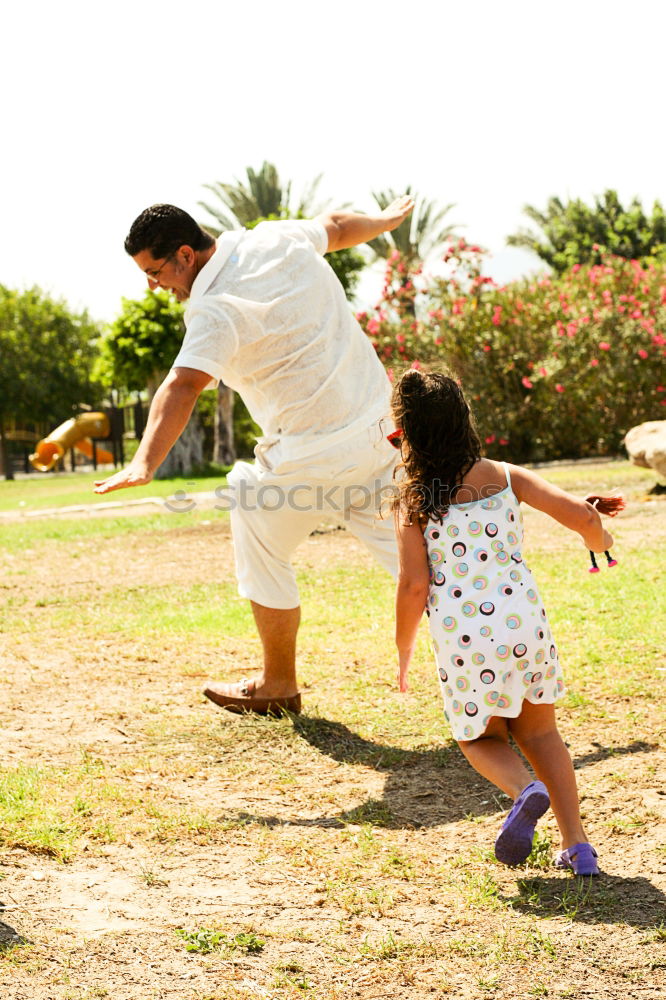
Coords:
pixel 163 229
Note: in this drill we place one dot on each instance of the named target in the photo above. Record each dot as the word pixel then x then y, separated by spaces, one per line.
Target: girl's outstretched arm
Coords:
pixel 412 590
pixel 571 511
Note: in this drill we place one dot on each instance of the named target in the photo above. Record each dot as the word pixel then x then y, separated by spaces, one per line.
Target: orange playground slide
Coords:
pixel 74 433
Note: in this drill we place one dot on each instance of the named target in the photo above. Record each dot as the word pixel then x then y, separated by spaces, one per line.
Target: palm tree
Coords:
pixel 263 196
pixel 573 232
pixel 419 235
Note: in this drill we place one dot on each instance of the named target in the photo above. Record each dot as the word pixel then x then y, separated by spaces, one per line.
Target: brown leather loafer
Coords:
pixel 241 698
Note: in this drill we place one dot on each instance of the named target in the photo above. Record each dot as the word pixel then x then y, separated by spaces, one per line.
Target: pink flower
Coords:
pixel 636 314
pixel 490 439
pixel 659 340
pixel 559 388
pixel 526 382
pixel 373 327
pixel 543 372
pixel 390 375
pixel 576 268
pixel 594 362
pixel 497 316
pixel 642 354
pixel 661 388
pixel 487 348
pixel 416 365
pixel 400 337
pixel 503 441
pixel 604 346
pixel 571 329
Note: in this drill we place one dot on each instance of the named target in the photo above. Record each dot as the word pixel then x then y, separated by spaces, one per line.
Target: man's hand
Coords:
pixel 170 410
pixel 350 229
pixel 397 212
pixel 131 476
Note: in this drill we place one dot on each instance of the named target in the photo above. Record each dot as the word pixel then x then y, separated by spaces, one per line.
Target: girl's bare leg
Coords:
pixel 535 732
pixel 493 757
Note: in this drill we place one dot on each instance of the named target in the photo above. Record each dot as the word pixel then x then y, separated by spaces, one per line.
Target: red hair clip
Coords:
pixel 395 437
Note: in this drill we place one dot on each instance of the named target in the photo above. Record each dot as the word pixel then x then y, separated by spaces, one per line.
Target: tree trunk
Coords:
pixel 224 448
pixel 5 459
pixel 187 452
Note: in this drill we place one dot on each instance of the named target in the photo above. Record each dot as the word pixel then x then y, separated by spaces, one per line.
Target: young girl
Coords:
pixel 459 534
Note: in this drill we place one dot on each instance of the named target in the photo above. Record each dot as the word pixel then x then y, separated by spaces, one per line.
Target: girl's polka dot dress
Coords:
pixel 489 629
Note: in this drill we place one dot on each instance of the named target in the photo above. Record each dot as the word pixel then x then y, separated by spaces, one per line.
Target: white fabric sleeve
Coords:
pixel 311 229
pixel 210 341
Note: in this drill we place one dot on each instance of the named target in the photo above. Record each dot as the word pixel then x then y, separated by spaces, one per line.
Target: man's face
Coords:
pixel 175 273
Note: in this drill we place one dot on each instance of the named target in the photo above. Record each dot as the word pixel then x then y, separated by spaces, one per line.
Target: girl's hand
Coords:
pixel 404 659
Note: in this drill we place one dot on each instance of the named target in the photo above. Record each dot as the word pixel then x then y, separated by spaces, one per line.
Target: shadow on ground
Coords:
pixel 9 938
pixel 606 899
pixel 423 787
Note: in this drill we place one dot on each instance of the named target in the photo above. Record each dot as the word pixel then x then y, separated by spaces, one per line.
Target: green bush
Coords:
pixel 553 367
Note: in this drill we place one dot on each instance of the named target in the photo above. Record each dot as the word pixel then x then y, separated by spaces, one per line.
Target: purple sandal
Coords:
pixel 581 859
pixel 514 842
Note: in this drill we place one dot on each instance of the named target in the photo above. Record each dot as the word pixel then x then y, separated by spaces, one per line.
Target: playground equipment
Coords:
pixel 78 432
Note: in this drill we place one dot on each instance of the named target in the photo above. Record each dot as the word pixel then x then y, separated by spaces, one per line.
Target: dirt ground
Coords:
pixel 393 900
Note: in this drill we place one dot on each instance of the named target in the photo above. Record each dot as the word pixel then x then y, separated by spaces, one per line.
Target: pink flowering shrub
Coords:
pixel 555 367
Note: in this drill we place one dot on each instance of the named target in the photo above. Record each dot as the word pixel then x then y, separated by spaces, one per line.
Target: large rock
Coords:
pixel 646 445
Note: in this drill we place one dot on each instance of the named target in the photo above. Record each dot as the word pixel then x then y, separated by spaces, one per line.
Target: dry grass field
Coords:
pixel 152 846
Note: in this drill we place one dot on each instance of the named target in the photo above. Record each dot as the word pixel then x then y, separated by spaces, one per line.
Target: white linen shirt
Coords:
pixel 269 318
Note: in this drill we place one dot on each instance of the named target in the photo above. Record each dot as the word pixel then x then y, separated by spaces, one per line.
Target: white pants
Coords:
pixel 278 501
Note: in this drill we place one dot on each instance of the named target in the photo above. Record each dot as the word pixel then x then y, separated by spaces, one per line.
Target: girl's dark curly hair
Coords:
pixel 439 443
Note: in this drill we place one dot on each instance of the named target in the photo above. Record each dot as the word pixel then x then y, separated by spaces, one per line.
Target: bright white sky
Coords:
pixel 108 108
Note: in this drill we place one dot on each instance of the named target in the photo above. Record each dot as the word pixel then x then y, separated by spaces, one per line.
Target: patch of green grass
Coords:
pixel 66 489
pixel 372 812
pixel 480 889
pixel 389 946
pixel 203 940
pixel 538 943
pixel 541 855
pixel 30 815
pixel 657 933
pixel 35 538
pixel 599 477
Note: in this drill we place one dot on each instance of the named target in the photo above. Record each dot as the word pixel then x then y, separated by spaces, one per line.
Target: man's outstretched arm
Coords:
pixel 349 229
pixel 170 410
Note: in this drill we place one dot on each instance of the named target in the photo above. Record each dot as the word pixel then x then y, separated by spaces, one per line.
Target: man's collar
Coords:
pixel 226 243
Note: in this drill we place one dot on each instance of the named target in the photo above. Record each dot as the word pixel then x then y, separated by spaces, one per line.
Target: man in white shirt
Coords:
pixel 267 315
